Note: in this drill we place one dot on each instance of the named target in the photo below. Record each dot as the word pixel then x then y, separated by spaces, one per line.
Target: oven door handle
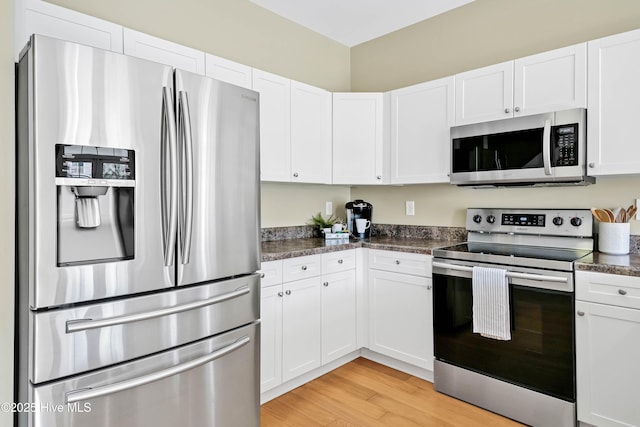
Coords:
pixel 514 275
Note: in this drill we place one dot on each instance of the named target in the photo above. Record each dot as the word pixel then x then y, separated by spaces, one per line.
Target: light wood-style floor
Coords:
pixel 365 393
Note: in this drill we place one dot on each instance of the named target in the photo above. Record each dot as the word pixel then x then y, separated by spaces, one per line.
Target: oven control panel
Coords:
pixel 551 222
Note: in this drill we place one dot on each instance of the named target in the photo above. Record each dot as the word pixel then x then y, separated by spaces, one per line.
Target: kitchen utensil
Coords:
pixel 609 213
pixel 600 215
pixel 621 215
pixel 631 212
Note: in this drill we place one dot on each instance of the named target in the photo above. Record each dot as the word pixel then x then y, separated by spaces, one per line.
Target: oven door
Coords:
pixel 540 355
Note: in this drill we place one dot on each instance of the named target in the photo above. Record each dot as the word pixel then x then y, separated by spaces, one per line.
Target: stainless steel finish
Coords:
pixel 429 287
pixel 304 268
pixel 295 175
pixel 280 294
pixel 143 332
pixel 622 292
pixel 170 180
pixel 83 182
pixel 398 262
pixel 84 325
pixel 340 261
pixel 517 109
pixel 522 276
pixel 506 110
pixel 509 274
pixel 88 212
pixel 580 313
pixel 225 225
pixel 288 292
pixel 223 392
pixel 379 177
pixel 546 147
pixel 186 155
pixel 325 284
pixel 93 393
pixel 592 165
pixel 530 176
pixel 262 275
pixel 521 404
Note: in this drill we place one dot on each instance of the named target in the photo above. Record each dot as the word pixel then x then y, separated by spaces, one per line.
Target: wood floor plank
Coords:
pixel 363 393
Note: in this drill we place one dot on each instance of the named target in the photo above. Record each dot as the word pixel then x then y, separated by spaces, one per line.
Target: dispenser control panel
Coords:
pixel 89 165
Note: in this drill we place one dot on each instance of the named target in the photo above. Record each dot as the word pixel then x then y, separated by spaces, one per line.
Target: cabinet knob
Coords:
pixel 622 292
pixel 379 177
pixel 592 165
pixel 280 294
pixel 397 262
pixel 340 261
pixel 262 275
pixel 295 174
pixel 325 284
pixel 517 109
pixel 580 313
pixel 288 292
pixel 429 287
pixel 304 268
pixel 506 110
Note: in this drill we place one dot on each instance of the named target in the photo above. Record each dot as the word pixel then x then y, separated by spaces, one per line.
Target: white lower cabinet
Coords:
pixel 607 349
pixel 338 315
pixel 400 310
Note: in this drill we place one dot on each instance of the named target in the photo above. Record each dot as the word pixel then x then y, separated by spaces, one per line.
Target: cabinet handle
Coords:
pixel 397 262
pixel 325 284
pixel 288 292
pixel 592 165
pixel 517 109
pixel 622 292
pixel 580 313
pixel 295 174
pixel 280 294
pixel 379 177
pixel 506 110
pixel 340 261
pixel 262 275
pixel 304 268
pixel 429 287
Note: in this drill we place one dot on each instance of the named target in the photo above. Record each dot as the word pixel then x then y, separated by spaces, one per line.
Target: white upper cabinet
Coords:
pixel 421 116
pixel 275 125
pixel 152 48
pixel 614 110
pixel 358 138
pixel 549 81
pixel 310 134
pixel 228 71
pixel 40 17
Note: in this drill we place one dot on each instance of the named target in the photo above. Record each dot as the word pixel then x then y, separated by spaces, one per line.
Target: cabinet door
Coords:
pixel 358 139
pixel 301 327
pixel 228 71
pixel 484 94
pixel 158 50
pixel 551 81
pixel 310 134
pixel 275 125
pixel 400 317
pixel 338 315
pixel 614 88
pixel 421 117
pixel 270 337
pixel 40 17
pixel 607 368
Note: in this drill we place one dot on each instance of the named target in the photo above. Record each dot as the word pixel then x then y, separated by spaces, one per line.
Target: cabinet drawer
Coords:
pixel 270 273
pixel 300 268
pixel 338 261
pixel 400 262
pixel 623 291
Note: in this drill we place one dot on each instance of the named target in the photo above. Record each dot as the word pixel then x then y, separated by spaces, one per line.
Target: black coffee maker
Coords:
pixel 359 209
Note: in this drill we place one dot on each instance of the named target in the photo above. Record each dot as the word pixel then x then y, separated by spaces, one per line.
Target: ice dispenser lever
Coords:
pixel 88 205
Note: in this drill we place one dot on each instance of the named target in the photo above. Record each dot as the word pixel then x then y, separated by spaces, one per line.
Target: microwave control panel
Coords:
pixel 565 145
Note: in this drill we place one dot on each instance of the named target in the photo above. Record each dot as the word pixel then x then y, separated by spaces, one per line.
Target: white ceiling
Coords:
pixel 351 22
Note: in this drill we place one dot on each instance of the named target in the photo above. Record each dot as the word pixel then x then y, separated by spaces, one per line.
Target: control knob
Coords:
pixel 477 219
pixel 558 221
pixel 576 222
pixel 491 219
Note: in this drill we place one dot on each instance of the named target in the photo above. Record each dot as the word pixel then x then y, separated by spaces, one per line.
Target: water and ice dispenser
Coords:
pixel 96 204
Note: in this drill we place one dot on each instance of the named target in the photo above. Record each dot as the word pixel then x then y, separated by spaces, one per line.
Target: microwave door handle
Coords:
pixel 546 147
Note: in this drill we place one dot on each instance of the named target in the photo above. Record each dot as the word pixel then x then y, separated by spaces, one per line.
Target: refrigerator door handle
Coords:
pixel 78 325
pixel 186 154
pixel 93 393
pixel 169 195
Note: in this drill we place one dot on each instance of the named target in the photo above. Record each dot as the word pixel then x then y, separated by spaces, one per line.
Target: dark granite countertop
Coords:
pixel 625 265
pixel 290 248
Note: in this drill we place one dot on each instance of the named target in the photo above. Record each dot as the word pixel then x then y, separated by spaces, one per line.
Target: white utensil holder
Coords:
pixel 613 238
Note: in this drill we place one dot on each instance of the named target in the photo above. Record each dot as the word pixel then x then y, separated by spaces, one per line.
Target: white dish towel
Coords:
pixel 491 316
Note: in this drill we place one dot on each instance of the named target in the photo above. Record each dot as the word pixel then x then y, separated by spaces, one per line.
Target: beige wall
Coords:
pixel 481 33
pixel 7 218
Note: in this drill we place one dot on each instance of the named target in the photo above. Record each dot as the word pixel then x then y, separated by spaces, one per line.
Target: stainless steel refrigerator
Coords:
pixel 138 243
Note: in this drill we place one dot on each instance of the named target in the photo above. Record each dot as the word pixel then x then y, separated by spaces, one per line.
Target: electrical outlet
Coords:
pixel 410 208
pixel 328 208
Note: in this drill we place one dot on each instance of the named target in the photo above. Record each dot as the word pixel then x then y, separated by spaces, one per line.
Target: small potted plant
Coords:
pixel 322 225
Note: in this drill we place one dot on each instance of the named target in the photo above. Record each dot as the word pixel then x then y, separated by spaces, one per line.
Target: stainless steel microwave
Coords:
pixel 543 149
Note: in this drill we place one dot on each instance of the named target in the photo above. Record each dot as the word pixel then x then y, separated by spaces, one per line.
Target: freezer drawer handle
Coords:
pixel 511 274
pixel 86 324
pixel 92 393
